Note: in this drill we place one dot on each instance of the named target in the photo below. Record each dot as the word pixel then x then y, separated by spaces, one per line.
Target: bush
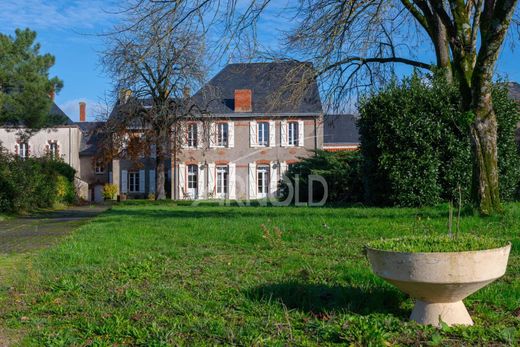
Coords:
pixel 34 183
pixel 341 171
pixel 109 191
pixel 416 145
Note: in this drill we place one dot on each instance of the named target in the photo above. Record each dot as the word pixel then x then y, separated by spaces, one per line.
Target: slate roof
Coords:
pixel 90 138
pixel 56 118
pixel 340 129
pixel 514 90
pixel 273 84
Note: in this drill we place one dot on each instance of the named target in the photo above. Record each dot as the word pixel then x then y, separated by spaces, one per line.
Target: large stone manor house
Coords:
pixel 253 140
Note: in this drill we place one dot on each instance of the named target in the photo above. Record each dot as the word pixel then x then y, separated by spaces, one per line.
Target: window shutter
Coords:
pixel 253 131
pixel 272 133
pixel 213 135
pixel 301 133
pixel 283 133
pixel 211 179
pixel 283 169
pixel 200 137
pixel 151 189
pixel 110 179
pixel 182 180
pixel 232 181
pixel 124 181
pixel 153 150
pixel 141 181
pixel 231 134
pixel 200 181
pixel 252 181
pixel 273 179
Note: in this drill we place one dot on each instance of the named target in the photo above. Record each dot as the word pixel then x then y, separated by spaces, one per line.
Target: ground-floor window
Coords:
pixel 222 181
pixel 133 181
pixel 24 150
pixel 262 179
pixel 193 173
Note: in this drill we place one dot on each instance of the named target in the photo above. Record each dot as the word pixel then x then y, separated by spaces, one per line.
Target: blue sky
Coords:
pixel 69 30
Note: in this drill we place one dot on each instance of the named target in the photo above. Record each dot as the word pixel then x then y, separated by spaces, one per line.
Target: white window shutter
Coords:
pixel 141 181
pixel 200 181
pixel 273 179
pixel 301 133
pixel 252 181
pixel 200 137
pixel 124 181
pixel 213 135
pixel 151 181
pixel 272 133
pixel 283 169
pixel 283 133
pixel 253 131
pixel 211 179
pixel 184 136
pixel 182 180
pixel 231 134
pixel 232 181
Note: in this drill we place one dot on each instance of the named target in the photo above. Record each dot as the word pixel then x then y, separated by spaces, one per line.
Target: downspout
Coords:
pixel 69 146
pixel 315 136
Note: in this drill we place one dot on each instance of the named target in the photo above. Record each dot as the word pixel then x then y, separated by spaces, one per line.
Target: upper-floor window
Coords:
pixel 100 168
pixel 53 150
pixel 133 181
pixel 24 150
pixel 263 134
pixel 192 135
pixel 292 137
pixel 222 134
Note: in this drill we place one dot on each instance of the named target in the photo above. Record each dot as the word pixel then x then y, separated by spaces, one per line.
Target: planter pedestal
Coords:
pixel 451 313
pixel 439 281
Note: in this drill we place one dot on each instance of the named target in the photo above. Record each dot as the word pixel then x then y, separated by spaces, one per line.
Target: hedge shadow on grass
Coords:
pixel 320 299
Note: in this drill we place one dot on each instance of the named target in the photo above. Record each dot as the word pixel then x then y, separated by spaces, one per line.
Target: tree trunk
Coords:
pixel 161 169
pixel 485 173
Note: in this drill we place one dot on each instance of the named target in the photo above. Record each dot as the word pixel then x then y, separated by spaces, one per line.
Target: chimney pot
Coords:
pixel 82 111
pixel 52 95
pixel 243 100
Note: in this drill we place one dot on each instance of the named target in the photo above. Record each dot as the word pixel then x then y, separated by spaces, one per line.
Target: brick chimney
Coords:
pixel 82 111
pixel 243 100
pixel 52 95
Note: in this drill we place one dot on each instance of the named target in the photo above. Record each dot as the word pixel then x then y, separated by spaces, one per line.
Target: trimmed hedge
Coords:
pixel 416 145
pixel 27 184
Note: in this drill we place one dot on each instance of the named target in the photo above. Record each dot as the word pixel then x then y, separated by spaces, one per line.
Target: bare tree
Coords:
pixel 153 68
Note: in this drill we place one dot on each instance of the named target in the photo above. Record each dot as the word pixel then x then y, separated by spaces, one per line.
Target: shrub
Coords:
pixel 341 171
pixel 416 145
pixel 109 191
pixel 34 183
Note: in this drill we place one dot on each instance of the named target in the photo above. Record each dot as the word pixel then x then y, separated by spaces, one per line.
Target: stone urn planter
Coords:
pixel 439 281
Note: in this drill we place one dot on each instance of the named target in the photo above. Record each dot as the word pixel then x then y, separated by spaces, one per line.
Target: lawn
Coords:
pixel 158 274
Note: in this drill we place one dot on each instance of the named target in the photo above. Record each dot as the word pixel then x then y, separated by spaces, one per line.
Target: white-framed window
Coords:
pixel 99 168
pixel 262 180
pixel 193 176
pixel 53 149
pixel 222 134
pixel 24 150
pixel 263 133
pixel 222 181
pixel 133 182
pixel 292 133
pixel 192 135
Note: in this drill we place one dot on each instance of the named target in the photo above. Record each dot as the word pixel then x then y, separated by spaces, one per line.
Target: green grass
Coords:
pixel 158 274
pixel 438 243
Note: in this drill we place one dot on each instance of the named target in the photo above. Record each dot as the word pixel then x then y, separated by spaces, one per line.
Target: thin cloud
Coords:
pixel 95 109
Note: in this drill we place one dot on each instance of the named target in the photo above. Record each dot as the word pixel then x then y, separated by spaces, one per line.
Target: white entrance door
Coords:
pixel 222 182
pixel 193 174
pixel 262 179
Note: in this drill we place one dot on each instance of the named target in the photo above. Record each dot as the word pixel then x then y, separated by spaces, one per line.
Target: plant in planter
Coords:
pixel 109 191
pixel 439 271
